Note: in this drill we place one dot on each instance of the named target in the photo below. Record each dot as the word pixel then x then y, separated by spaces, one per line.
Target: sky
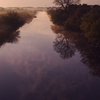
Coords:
pixel 38 3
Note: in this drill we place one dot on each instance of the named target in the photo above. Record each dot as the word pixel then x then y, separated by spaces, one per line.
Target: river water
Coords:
pixel 32 68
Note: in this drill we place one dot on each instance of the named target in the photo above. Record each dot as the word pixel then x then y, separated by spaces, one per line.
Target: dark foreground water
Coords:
pixel 34 69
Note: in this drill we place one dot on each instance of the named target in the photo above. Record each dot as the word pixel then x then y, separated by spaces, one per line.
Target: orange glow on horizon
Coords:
pixel 37 3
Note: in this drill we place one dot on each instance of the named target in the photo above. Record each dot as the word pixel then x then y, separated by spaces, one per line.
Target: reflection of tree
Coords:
pixel 10 37
pixel 91 58
pixel 10 22
pixel 62 46
pixel 61 43
pixel 90 53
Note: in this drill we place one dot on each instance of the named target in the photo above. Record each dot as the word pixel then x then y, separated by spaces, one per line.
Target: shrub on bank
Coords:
pixel 58 16
pixel 91 25
pixel 74 21
pixel 83 19
pixel 12 19
pixel 71 19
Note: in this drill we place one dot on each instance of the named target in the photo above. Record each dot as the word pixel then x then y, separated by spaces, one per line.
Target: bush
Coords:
pixel 58 16
pixel 74 21
pixel 12 19
pixel 91 25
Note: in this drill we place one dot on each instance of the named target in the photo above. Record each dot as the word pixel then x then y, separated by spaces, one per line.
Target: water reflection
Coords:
pixel 64 47
pixel 90 53
pixel 62 44
pixel 91 58
pixel 9 37
pixel 32 70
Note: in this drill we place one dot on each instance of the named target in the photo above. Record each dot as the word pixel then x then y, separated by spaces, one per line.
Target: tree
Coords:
pixel 91 25
pixel 65 3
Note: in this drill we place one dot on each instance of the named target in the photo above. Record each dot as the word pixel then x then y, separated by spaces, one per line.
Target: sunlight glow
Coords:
pixel 38 3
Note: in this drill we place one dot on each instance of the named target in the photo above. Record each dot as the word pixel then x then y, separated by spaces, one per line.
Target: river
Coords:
pixel 31 69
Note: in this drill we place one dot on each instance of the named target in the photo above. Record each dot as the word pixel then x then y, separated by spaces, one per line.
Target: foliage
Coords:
pixel 71 20
pixel 74 21
pixel 79 18
pixel 58 16
pixel 91 25
pixel 12 19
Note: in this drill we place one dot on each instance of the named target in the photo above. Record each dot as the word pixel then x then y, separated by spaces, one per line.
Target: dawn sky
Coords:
pixel 37 3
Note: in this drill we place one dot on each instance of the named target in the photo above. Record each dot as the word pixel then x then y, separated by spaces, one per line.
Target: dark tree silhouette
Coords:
pixel 62 46
pixel 10 37
pixel 65 3
pixel 91 58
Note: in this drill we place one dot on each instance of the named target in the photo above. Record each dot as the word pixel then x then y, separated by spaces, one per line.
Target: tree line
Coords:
pixel 75 17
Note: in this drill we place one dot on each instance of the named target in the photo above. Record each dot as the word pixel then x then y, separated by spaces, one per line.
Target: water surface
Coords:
pixel 35 69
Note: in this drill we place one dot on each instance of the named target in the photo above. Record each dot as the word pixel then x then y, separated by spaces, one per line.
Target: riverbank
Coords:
pixel 79 18
pixel 11 21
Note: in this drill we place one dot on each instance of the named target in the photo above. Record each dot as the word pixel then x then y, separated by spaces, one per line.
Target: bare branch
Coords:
pixel 65 3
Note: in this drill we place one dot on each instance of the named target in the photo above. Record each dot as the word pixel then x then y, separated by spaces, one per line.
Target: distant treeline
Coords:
pixel 79 18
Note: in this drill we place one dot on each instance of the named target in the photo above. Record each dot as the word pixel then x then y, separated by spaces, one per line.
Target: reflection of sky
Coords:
pixel 32 69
